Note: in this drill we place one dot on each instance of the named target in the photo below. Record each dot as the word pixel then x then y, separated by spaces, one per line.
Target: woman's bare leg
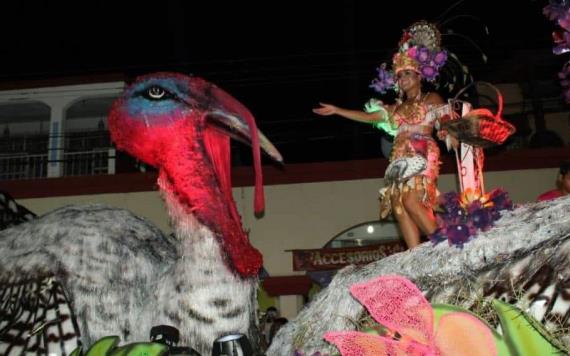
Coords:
pixel 421 215
pixel 408 228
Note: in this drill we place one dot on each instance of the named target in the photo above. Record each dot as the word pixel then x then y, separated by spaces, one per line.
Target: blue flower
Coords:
pixel 501 200
pixel 482 219
pixel 438 236
pixel 450 200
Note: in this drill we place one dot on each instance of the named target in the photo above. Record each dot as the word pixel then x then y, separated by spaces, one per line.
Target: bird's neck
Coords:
pixel 218 299
pixel 198 179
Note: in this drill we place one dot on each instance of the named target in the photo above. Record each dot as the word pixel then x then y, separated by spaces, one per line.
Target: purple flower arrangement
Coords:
pixel 429 62
pixel 385 80
pixel 559 12
pixel 462 215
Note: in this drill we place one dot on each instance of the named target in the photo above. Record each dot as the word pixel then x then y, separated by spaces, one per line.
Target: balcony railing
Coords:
pixel 31 166
pixel 89 163
pixel 23 166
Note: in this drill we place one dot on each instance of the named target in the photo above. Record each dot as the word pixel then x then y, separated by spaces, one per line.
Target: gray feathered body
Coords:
pixel 121 276
pixel 96 271
pixel 524 259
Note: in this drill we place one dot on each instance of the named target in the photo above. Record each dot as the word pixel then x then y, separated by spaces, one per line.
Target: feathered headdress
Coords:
pixel 420 50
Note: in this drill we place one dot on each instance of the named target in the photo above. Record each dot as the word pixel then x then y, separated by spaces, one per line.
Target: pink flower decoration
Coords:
pixel 564 22
pixel 412 52
pixel 560 12
pixel 554 11
pixel 396 303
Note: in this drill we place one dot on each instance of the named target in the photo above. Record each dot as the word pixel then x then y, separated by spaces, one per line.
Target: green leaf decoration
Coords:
pixel 102 346
pixel 107 346
pixel 375 330
pixel 522 333
pixel 440 310
pixel 140 349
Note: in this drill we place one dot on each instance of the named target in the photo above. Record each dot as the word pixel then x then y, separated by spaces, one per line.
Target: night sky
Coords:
pixel 280 58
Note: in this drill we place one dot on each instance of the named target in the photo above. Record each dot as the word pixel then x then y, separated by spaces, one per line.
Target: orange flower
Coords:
pixel 470 195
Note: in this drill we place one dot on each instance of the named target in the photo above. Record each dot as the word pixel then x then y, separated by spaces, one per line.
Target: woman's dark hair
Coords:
pixel 428 86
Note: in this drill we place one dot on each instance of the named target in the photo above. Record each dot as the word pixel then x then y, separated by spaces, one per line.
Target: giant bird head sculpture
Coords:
pixel 181 125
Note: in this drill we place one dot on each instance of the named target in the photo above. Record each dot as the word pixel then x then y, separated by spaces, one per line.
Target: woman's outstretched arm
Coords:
pixel 356 115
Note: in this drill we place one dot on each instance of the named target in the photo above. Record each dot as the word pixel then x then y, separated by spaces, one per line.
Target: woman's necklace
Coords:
pixel 412 112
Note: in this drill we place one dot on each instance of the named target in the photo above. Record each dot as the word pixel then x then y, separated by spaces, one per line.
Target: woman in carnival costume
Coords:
pixel 411 178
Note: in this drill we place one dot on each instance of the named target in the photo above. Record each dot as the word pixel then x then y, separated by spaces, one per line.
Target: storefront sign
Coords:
pixel 336 258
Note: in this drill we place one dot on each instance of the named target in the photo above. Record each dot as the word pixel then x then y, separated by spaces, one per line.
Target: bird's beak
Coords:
pixel 237 128
pixel 226 114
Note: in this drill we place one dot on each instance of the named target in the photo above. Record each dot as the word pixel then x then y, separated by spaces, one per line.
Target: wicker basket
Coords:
pixel 479 127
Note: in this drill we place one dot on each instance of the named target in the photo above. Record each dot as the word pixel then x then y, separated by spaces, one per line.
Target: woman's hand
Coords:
pixel 355 115
pixel 442 134
pixel 453 141
pixel 450 140
pixel 326 109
